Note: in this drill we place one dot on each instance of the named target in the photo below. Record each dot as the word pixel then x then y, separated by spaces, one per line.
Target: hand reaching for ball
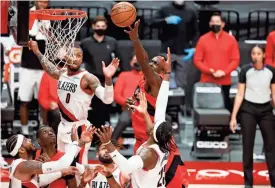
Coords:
pixel 133 33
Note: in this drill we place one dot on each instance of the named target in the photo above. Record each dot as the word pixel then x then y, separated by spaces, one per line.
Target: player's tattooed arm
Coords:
pixel 48 66
pixel 28 169
pixel 92 82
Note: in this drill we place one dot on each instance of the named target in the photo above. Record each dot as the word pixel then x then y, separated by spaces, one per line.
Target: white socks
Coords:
pixel 25 129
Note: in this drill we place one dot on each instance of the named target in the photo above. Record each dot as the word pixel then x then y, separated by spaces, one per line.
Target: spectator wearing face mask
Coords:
pixel 125 86
pixel 98 48
pixel 217 55
pixel 179 26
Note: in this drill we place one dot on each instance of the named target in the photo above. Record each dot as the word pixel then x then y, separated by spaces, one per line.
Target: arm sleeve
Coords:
pixel 242 76
pixel 127 166
pixel 198 58
pixel 162 101
pixel 106 95
pixel 45 179
pixel 235 57
pixel 43 94
pixel 118 90
pixel 270 52
pixel 71 150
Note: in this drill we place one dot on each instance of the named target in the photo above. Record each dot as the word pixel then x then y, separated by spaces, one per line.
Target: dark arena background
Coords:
pixel 197 112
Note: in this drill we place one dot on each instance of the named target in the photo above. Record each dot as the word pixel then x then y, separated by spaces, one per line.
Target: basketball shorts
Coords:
pixel 64 137
pixel 29 83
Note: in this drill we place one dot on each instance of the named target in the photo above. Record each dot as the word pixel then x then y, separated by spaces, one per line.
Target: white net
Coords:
pixel 61 34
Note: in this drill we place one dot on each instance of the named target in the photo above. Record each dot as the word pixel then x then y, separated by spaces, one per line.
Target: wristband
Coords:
pixel 108 177
pixel 104 144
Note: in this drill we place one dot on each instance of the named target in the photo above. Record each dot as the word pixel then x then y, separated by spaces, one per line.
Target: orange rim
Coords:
pixel 56 14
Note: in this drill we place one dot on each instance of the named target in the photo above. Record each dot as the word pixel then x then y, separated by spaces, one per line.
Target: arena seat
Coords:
pixel 211 120
pixel 126 49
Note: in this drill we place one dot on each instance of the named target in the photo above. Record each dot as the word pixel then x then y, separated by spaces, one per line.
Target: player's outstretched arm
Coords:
pixel 45 179
pixel 49 67
pixel 152 78
pixel 142 109
pixel 127 166
pixel 26 169
pixel 162 99
pixel 91 82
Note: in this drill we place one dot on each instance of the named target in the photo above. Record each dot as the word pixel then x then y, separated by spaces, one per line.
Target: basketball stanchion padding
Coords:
pixel 60 31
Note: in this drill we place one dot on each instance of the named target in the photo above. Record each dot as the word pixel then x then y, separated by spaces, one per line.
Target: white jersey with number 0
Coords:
pixel 151 178
pixel 74 103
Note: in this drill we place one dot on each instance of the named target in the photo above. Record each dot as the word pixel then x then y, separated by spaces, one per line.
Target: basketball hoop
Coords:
pixel 60 31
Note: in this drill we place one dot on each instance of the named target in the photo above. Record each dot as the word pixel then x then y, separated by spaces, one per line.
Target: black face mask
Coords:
pixel 215 28
pixel 177 6
pixel 136 67
pixel 100 32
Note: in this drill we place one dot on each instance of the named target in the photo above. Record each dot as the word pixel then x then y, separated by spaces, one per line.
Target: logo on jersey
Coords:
pixel 67 86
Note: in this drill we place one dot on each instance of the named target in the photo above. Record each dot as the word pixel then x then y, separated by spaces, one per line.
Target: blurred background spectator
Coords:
pixel 270 49
pixel 125 86
pixel 47 96
pixel 31 70
pixel 179 24
pixel 98 48
pixel 217 55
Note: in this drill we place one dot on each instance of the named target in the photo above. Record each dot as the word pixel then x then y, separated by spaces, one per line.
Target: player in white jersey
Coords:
pixel 147 167
pixel 25 171
pixel 76 87
pixel 110 173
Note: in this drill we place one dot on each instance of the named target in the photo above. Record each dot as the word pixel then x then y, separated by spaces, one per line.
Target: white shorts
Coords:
pixel 29 82
pixel 64 137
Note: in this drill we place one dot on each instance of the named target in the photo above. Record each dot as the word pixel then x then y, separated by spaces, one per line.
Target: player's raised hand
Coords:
pixel 110 70
pixel 89 175
pixel 88 134
pixel 130 101
pixel 33 46
pixel 133 32
pixel 105 134
pixel 142 107
pixel 167 65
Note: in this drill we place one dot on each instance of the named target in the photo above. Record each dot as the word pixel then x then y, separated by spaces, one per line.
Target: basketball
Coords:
pixel 123 14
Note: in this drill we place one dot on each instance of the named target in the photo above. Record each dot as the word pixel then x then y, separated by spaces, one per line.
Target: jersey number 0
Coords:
pixel 68 97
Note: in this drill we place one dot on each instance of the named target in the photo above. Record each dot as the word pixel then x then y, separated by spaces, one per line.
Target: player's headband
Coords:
pixel 19 142
pixel 157 124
